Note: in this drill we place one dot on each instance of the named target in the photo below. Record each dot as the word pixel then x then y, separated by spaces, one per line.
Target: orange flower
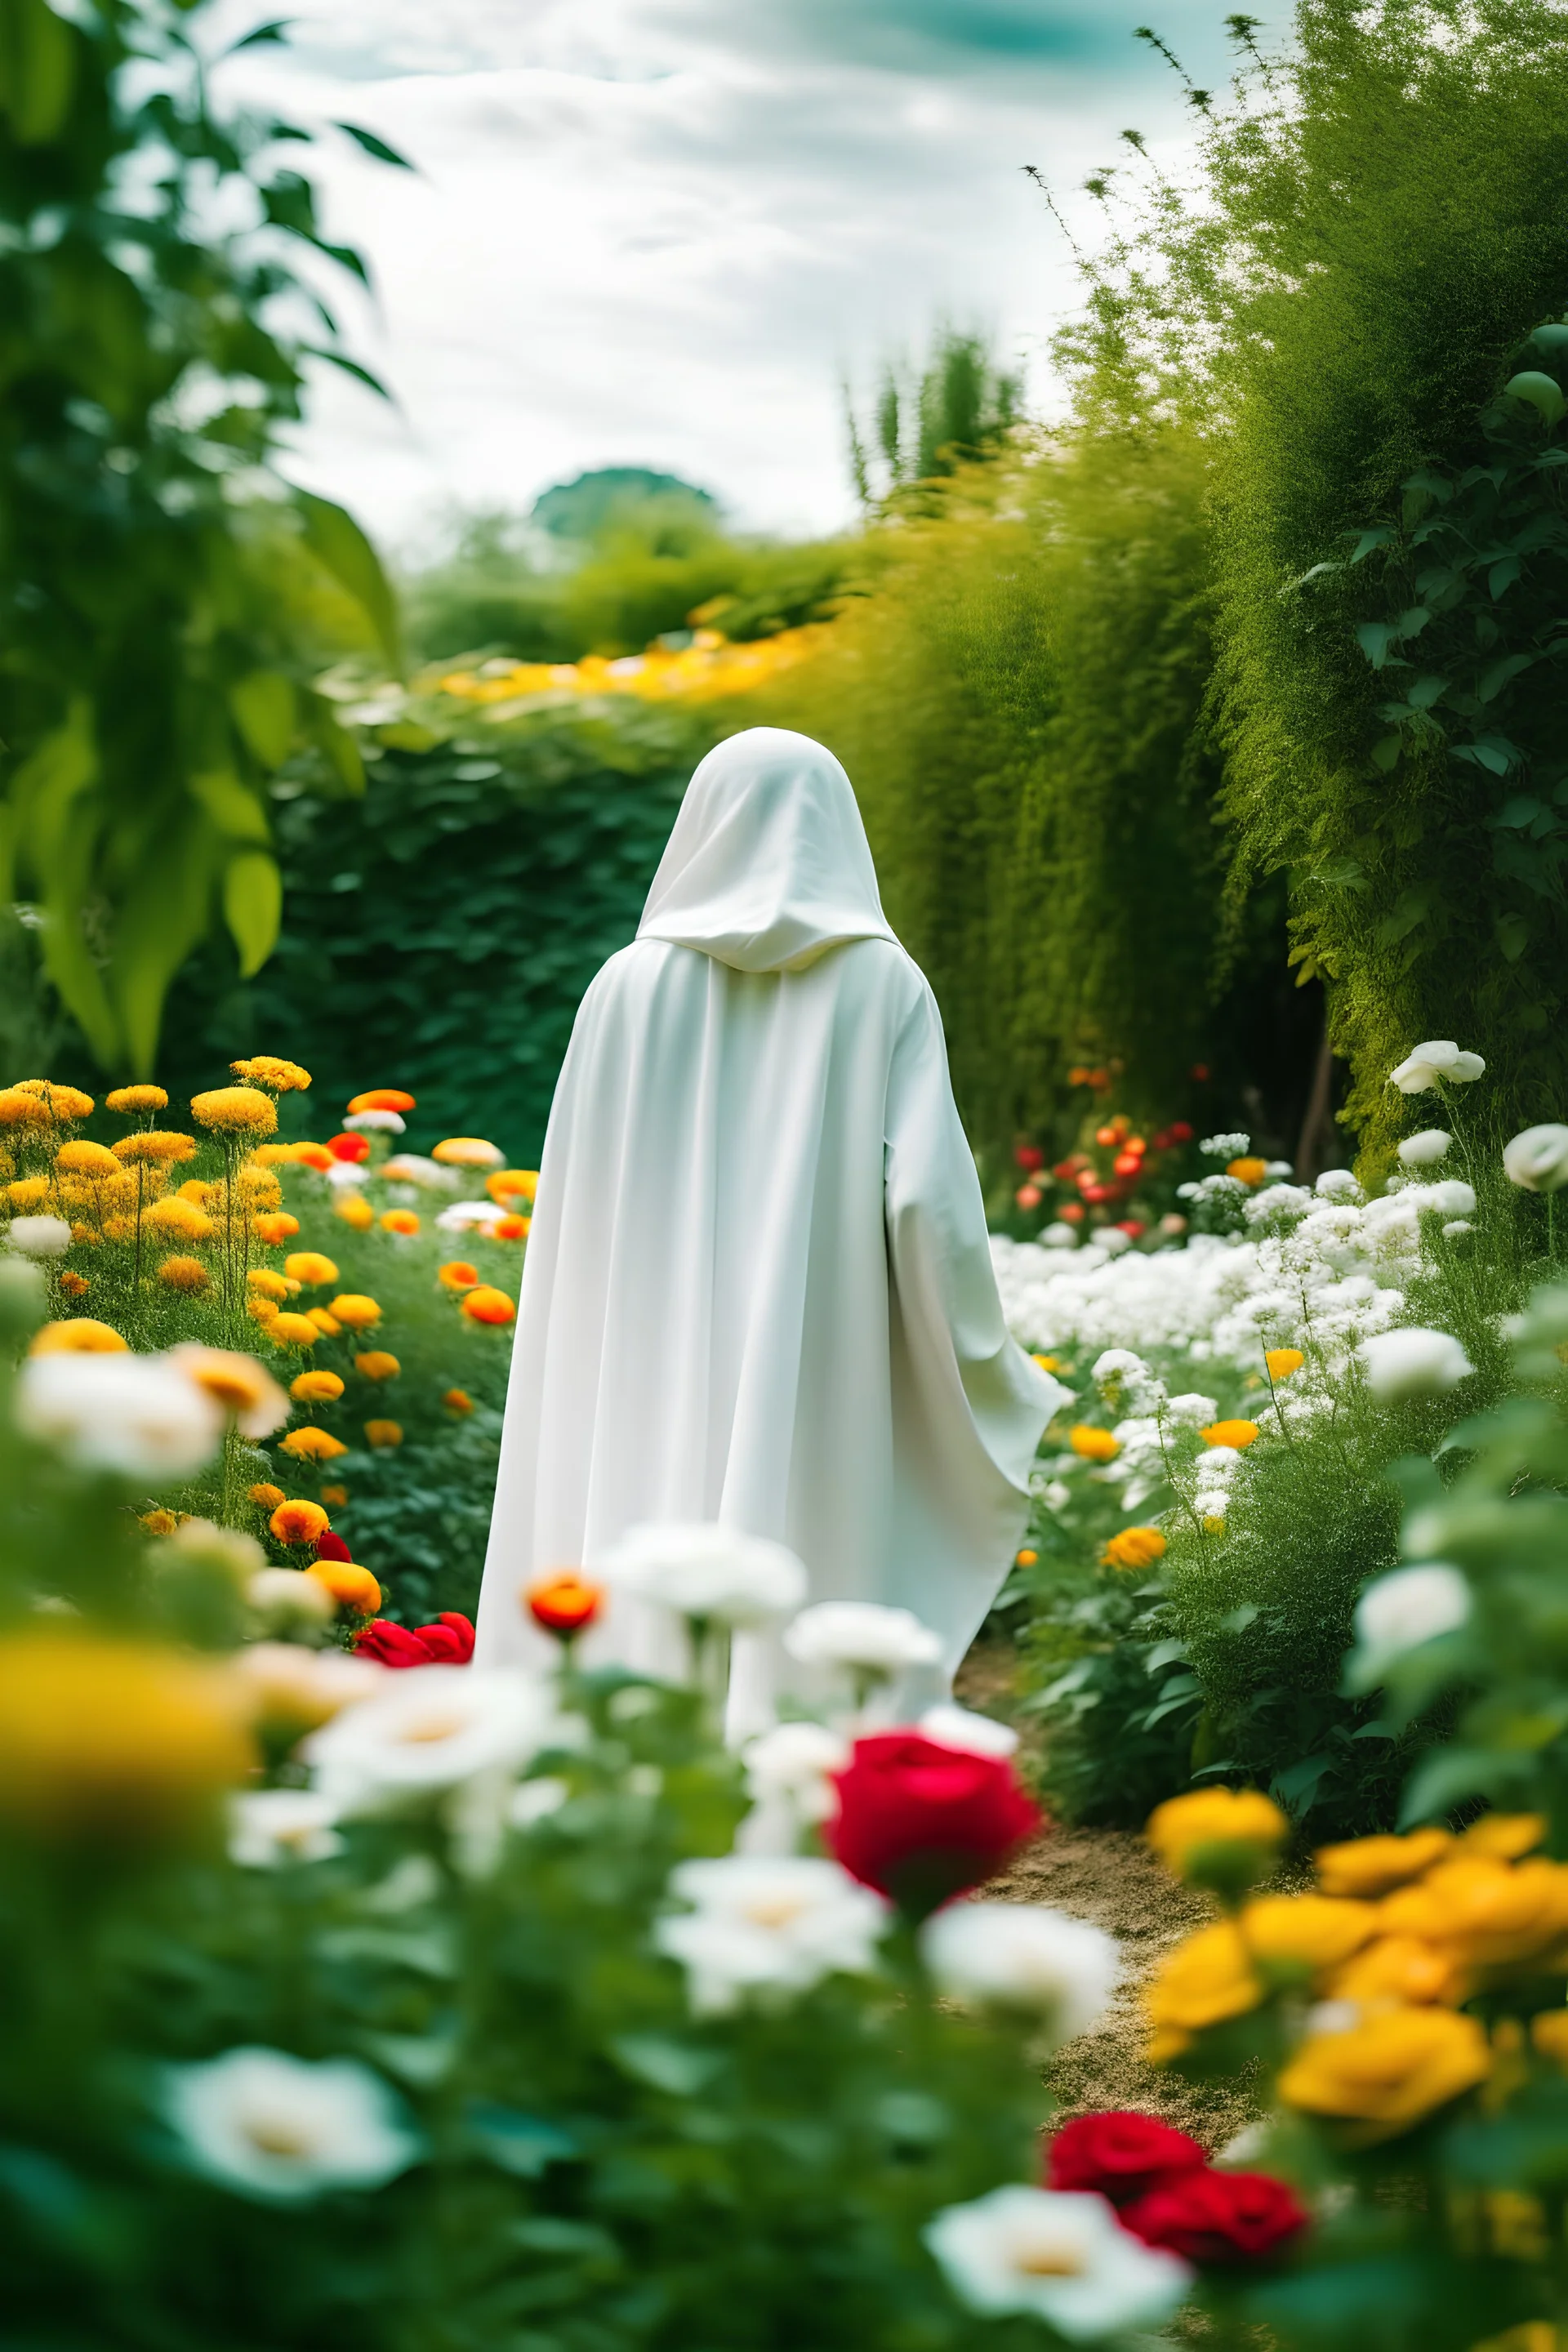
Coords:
pixel 313 1155
pixel 235 1110
pixel 297 1522
pixel 127 1099
pixel 353 1589
pixel 28 1191
pixel 327 1325
pixel 1239 1433
pixel 186 1273
pixel 383 1099
pixel 468 1152
pixel 376 1364
pixel 80 1336
pixel 1027 1557
pixel 313 1446
pixel 458 1400
pixel 274 1226
pixel 63 1104
pixel 316 1388
pixel 80 1158
pixel 511 1229
pixel 159 1523
pixel 198 1192
pixel 273 1155
pixel 20 1109
pixel 1507 1835
pixel 260 1308
pixel 292 1331
pixel 356 1312
pixel 383 1432
pixel 1283 1362
pixel 77 1285
pixel 457 1274
pixel 264 1284
pixel 564 1603
pixel 355 1211
pixel 1369 1866
pixel 334 1496
pixel 310 1269
pixel 487 1305
pixel 265 1497
pixel 1134 1548
pixel 512 1184
pixel 1248 1170
pixel 399 1221
pixel 1093 1445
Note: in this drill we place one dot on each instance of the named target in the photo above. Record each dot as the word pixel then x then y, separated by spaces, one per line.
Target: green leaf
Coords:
pixel 162 913
pixel 1543 393
pixel 264 709
pixel 1497 673
pixel 1512 936
pixel 1376 640
pixel 38 70
pixel 373 145
pixel 253 906
pixel 235 813
pixel 350 367
pixel 275 32
pixel 681 2068
pixel 337 539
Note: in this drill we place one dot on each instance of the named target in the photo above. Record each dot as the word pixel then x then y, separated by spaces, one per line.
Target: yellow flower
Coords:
pixel 117 1742
pixel 297 1522
pixel 1239 1433
pixel 292 1331
pixel 1283 1362
pixel 1396 1971
pixel 262 1309
pixel 519 1184
pixel 356 1312
pixel 399 1221
pixel 1094 1444
pixel 130 1099
pixel 159 1523
pixel 1486 1912
pixel 199 1193
pixel 28 1191
pixel 176 1220
pixel 1186 1831
pixel 1375 1866
pixel 1507 1835
pixel 469 1151
pixel 354 1587
pixel 235 1110
pixel 266 1070
pixel 274 1226
pixel 266 1498
pixel 313 1446
pixel 237 1382
pixel 185 1274
pixel 355 1211
pixel 1549 2031
pixel 1388 2071
pixel 257 1187
pixel 334 1496
pixel 316 1388
pixel 63 1105
pixel 327 1325
pixel 156 1147
pixel 80 1336
pixel 310 1268
pixel 1248 1170
pixel 1049 1363
pixel 80 1158
pixel 376 1364
pixel 18 1109
pixel 1134 1548
pixel 1208 1977
pixel 74 1285
pixel 383 1432
pixel 458 1400
pixel 1317 1931
pixel 265 1284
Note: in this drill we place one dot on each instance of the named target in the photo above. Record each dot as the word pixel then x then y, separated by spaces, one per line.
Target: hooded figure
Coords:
pixel 758 1289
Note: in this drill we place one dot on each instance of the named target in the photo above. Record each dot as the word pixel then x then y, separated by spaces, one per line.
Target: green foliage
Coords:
pixel 162 617
pixel 959 406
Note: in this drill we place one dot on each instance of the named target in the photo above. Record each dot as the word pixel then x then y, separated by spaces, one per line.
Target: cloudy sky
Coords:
pixel 662 232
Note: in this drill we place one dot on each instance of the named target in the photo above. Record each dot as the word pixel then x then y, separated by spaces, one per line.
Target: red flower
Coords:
pixel 1122 2154
pixel 921 1822
pixel 1180 1132
pixel 448 1642
pixel 1217 2217
pixel 331 1547
pixel 1028 1157
pixel 349 1147
pixel 564 1603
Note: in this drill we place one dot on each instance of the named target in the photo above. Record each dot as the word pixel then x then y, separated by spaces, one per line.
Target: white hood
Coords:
pixel 768 862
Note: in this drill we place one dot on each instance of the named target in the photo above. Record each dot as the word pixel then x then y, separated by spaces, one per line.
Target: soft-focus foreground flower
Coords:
pixel 1060 2256
pixel 1120 2154
pixel 792 1762
pixel 1537 1160
pixel 565 1604
pixel 922 1822
pixel 488 1305
pixel 429 1732
pixel 767 1925
pixel 1208 1977
pixel 291 1689
pixel 271 1827
pixel 1389 2070
pixel 1026 1957
pixel 134 1415
pixel 115 1741
pixel 1228 1828
pixel 268 2125
pixel 1413 1362
pixel 1411 1606
pixel 1218 2220
pixel 235 1110
pixel 78 1335
pixel 863 1638
pixel 714 1573
pixel 1134 1548
pixel 1438 1059
pixel 39 1236
pixel 1367 1867
pixel 239 1385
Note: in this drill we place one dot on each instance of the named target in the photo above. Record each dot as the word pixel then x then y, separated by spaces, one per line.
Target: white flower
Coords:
pixel 1337 1184
pixel 1413 1362
pixel 1456 1226
pixel 430 1731
pixel 465 1216
pixel 1112 1241
pixel 1450 1196
pixel 768 1924
pixel 975 1735
pixel 294 1686
pixel 385 1122
pixel 535 1800
pixel 1277 1201
pixel 862 1636
pixel 1060 2254
pixel 134 1415
pixel 793 1761
pixel 346 1172
pixel 1411 1606
pixel 1224 1147
pixel 1192 1406
pixel 414 1168
pixel 1423 1151
pixel 286 1599
pixel 239 1381
pixel 1023 1955
pixel 1536 1160
pixel 706 1571
pixel 225 1550
pixel 39 1236
pixel 271 2125
pixel 1059 1236
pixel 270 1826
pixel 1439 1058
pixel 1212 1504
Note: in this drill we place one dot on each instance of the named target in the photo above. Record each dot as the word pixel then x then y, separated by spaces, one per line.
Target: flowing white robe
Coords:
pixel 758 1287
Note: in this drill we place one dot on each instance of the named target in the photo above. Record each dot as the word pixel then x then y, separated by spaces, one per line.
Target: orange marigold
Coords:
pixel 316 1388
pixel 265 1497
pixel 1134 1548
pixel 1092 1445
pixel 184 1273
pixel 313 1155
pixel 399 1221
pixel 511 1229
pixel 458 1400
pixel 274 1226
pixel 512 1184
pixel 298 1523
pixel 313 1446
pixel 63 1104
pixel 128 1100
pixel 327 1325
pixel 335 1497
pixel 487 1305
pixel 278 1077
pixel 457 1274
pixel 310 1269
pixel 353 1588
pixel 265 1284
pixel 80 1158
pixel 383 1099
pixel 74 1285
pixel 20 1109
pixel 355 1311
pixel 469 1151
pixel 355 1211
pixel 376 1364
pixel 235 1110
pixel 383 1432
pixel 292 1331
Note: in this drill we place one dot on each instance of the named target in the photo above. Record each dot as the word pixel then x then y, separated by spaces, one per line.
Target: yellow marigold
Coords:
pixel 176 1220
pixel 376 1364
pixel 327 1325
pixel 199 1193
pixel 298 1522
pixel 292 1331
pixel 1388 2071
pixel 353 1588
pixel 1370 1866
pixel 78 1336
pixel 382 1098
pixel 184 1273
pixel 1283 1362
pixel 262 1309
pixel 1239 1433
pixel 28 1192
pixel 274 1226
pixel 313 1446
pixel 1093 1445
pixel 316 1388
pixel 264 1497
pixel 1185 1830
pixel 458 1400
pixel 488 1306
pixel 355 1211
pixel 1134 1548
pixel 116 1742
pixel 512 1184
pixel 278 1077
pixel 399 1221
pixel 469 1151
pixel 1246 1170
pixel 1486 1912
pixel 1549 2031
pixel 258 1188
pixel 274 1155
pixel 334 1496
pixel 310 1269
pixel 160 1522
pixel 80 1158
pixel 20 1110
pixel 63 1104
pixel 356 1312
pixel 235 1110
pixel 457 1274
pixel 74 1285
pixel 1507 1835
pixel 512 1229
pixel 265 1284
pixel 1314 1931
pixel 1208 1977
pixel 1398 1970
pixel 128 1101
pixel 155 1147
pixel 383 1432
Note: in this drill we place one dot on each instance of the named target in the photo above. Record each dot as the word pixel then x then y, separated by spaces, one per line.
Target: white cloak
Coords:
pixel 758 1287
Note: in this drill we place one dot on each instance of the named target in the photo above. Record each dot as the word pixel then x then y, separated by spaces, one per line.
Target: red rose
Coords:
pixel 1122 2154
pixel 331 1547
pixel 921 1822
pixel 1217 2217
pixel 390 1644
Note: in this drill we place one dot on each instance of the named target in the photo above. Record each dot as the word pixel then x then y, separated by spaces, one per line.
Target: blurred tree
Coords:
pixel 164 596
